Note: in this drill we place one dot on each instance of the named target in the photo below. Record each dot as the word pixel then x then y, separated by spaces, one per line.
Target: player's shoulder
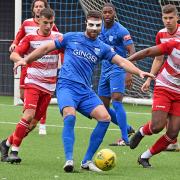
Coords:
pixel 163 30
pixel 29 20
pixel 56 33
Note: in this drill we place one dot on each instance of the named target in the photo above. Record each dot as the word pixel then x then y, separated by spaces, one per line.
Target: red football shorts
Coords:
pixel 167 101
pixel 22 77
pixel 37 100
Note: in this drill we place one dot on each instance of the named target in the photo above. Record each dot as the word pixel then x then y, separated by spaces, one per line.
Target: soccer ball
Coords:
pixel 105 159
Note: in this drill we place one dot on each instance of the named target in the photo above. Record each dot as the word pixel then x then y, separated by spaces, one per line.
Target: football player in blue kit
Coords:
pixel 82 51
pixel 112 79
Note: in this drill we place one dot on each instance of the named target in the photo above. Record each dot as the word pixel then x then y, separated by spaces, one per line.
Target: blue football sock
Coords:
pixel 96 139
pixel 68 136
pixel 121 119
pixel 112 113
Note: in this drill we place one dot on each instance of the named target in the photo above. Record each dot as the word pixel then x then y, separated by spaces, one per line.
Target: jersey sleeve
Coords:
pixel 167 47
pixel 23 46
pixel 61 41
pixel 158 39
pixel 125 36
pixel 20 34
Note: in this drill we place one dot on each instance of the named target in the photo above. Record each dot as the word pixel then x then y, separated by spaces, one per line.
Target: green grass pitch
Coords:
pixel 43 156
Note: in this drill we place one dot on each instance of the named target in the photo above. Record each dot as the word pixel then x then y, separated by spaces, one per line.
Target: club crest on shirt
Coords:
pixel 97 51
pixel 110 38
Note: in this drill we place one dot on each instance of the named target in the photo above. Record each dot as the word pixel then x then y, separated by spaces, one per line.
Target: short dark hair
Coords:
pixel 109 5
pixel 169 8
pixel 94 14
pixel 46 5
pixel 47 13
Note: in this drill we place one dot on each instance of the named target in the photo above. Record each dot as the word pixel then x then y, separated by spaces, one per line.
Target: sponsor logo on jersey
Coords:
pixel 88 56
pixel 158 106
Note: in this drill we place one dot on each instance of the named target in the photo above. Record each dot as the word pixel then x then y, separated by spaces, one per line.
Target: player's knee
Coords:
pixel 156 128
pixel 106 117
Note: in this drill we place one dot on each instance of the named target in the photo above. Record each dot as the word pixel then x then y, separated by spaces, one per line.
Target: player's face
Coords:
pixel 170 21
pixel 93 27
pixel 108 15
pixel 38 6
pixel 45 25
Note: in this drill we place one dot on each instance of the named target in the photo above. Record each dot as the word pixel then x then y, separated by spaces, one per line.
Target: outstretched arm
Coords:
pixel 130 67
pixel 39 52
pixel 148 52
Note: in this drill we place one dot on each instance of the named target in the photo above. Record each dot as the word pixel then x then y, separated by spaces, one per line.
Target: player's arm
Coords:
pixel 39 52
pixel 131 50
pixel 130 67
pixel 20 50
pixel 20 34
pixel 148 52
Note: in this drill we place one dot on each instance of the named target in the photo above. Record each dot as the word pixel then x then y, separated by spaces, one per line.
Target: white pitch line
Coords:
pixel 50 107
pixel 58 126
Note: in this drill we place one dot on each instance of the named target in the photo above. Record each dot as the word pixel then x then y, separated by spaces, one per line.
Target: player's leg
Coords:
pixel 30 103
pixel 22 79
pixel 42 125
pixel 117 87
pixel 160 109
pixel 95 109
pixel 66 103
pixel 161 144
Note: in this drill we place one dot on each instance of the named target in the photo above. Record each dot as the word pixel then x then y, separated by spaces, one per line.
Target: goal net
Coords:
pixel 141 17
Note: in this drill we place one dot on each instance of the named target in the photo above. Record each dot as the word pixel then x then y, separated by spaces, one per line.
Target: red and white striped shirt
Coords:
pixel 43 72
pixel 163 35
pixel 29 26
pixel 169 76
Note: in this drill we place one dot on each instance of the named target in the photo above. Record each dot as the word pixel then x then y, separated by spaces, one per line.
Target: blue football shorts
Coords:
pixel 77 95
pixel 115 82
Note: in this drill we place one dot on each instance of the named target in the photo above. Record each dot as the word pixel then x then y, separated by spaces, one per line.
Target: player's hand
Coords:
pixel 128 81
pixel 19 63
pixel 143 74
pixel 12 47
pixel 146 85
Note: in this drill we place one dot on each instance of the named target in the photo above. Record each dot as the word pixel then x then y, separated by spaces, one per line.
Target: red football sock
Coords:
pixel 161 144
pixel 20 132
pixel 147 129
pixel 43 120
pixel 10 138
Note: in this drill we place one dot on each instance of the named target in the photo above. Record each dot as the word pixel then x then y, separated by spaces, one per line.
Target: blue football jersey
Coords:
pixel 117 37
pixel 81 55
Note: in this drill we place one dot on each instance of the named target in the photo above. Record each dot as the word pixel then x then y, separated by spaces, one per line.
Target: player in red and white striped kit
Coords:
pixel 40 82
pixel 28 26
pixel 171 30
pixel 166 100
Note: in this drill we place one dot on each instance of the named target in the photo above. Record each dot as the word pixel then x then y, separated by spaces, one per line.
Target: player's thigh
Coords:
pixel 66 97
pixel 31 98
pixel 117 82
pixel 89 103
pixel 43 102
pixel 159 120
pixel 175 105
